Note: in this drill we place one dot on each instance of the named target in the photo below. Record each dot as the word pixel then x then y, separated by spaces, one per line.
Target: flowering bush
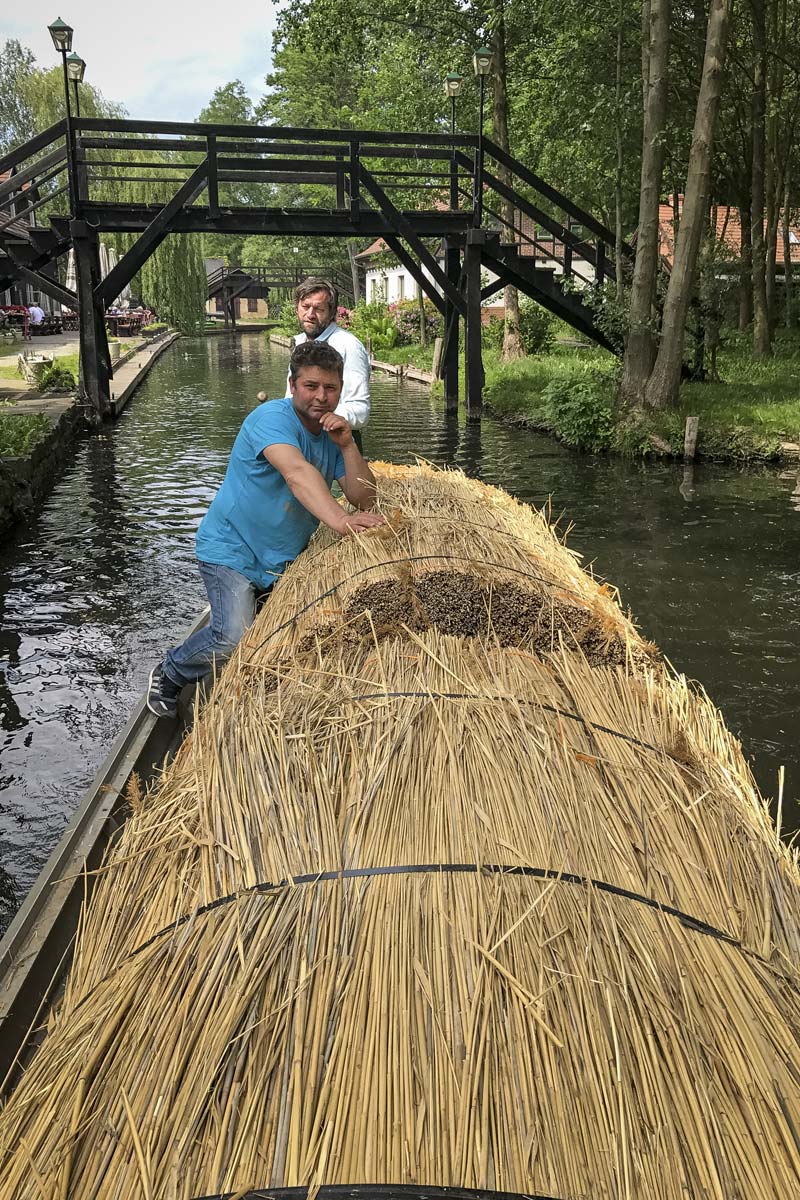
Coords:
pixel 343 316
pixel 405 316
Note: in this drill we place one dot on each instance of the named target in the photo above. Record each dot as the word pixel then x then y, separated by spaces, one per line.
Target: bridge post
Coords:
pixel 452 266
pixel 95 364
pixel 472 337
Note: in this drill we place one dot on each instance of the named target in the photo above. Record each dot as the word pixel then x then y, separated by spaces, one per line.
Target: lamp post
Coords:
pixel 482 64
pixel 453 87
pixel 61 33
pixel 76 68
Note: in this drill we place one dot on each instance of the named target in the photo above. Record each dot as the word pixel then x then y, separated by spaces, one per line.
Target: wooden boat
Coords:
pixel 453 884
pixel 36 948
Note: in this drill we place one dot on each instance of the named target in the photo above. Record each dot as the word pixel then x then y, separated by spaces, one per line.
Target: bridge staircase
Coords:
pixel 29 181
pixel 548 247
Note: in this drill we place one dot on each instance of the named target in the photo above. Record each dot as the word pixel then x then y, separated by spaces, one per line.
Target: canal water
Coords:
pixel 97 585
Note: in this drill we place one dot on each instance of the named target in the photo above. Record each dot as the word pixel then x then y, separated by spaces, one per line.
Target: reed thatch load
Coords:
pixel 454 883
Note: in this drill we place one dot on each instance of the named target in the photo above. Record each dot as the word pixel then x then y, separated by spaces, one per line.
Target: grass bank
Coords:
pixel 571 393
pixel 19 432
pixel 68 361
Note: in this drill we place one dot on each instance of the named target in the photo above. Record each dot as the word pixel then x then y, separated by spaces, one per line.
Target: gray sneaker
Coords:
pixel 162 694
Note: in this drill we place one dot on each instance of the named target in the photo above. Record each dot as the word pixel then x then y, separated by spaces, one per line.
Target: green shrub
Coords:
pixel 579 408
pixel 156 327
pixel 287 326
pixel 537 327
pixel 57 378
pixel 19 432
pixel 373 323
pixel 492 333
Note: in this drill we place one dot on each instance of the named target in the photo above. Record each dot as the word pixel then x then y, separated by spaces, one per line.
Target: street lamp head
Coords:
pixel 75 67
pixel 453 85
pixel 482 61
pixel 61 33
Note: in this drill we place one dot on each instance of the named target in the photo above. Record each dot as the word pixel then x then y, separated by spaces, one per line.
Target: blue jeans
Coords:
pixel 233 600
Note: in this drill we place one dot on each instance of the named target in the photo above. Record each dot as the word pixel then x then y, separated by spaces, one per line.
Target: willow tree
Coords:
pixel 173 279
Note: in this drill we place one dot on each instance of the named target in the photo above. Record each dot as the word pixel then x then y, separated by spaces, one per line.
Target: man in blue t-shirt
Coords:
pixel 275 492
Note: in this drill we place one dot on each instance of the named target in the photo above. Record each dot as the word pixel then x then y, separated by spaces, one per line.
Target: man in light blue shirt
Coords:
pixel 275 492
pixel 316 303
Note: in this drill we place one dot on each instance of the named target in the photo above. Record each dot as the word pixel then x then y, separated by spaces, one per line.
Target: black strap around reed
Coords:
pixel 376 1191
pixel 544 873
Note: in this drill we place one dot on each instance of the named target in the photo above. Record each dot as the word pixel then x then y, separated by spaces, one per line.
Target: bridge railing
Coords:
pixel 546 223
pixel 341 166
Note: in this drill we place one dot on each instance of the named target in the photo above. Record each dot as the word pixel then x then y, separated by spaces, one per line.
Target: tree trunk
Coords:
pixel 746 260
pixel 773 217
pixel 788 311
pixel 676 216
pixel 762 342
pixel 712 315
pixel 775 162
pixel 619 259
pixel 512 338
pixel 645 53
pixel 640 347
pixel 351 251
pixel 664 382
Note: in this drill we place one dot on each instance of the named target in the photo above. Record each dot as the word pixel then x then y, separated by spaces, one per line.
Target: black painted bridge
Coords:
pixel 497 222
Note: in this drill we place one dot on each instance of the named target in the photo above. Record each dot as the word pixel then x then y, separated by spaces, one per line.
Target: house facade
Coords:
pixel 728 225
pixel 388 281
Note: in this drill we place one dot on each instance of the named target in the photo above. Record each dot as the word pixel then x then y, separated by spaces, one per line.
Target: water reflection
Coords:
pixel 687 484
pixel 104 577
pixel 470 450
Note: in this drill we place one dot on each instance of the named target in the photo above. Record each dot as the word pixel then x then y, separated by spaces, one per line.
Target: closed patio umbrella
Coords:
pixel 71 280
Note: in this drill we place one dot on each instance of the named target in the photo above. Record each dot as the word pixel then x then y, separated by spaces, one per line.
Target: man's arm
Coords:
pixel 358 482
pixel 355 403
pixel 308 486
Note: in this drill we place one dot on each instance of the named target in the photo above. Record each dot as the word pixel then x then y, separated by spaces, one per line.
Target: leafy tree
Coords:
pixel 16 116
pixel 230 105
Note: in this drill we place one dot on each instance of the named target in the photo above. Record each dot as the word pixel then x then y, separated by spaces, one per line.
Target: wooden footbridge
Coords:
pixel 464 217
pixel 229 284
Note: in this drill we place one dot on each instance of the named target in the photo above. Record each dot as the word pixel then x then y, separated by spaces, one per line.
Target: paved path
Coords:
pixel 17 396
pixel 58 344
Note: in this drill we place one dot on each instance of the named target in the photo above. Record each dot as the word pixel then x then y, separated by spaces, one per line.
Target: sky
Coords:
pixel 161 60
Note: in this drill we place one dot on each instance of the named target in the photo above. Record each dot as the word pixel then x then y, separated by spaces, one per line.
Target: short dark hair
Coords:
pixel 311 285
pixel 315 354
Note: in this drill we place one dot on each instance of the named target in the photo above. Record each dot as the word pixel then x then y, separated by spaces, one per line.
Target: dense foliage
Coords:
pixel 570 90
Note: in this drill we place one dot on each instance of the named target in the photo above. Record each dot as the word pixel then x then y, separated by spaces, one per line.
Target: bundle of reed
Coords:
pixel 494 906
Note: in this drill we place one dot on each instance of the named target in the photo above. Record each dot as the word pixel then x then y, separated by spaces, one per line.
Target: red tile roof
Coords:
pixel 729 231
pixel 377 247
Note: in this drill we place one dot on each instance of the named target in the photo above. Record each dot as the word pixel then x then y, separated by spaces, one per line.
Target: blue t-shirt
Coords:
pixel 255 525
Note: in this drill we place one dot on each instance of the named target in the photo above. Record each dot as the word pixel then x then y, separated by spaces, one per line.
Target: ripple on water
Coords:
pixel 104 578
